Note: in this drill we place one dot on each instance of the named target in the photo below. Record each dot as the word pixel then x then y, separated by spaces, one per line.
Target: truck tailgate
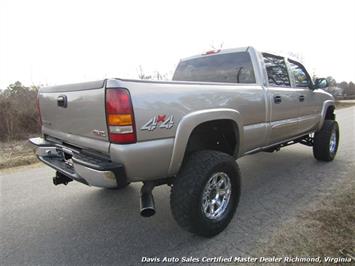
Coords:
pixel 75 114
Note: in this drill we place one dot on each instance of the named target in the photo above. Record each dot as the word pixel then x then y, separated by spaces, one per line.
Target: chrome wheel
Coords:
pixel 333 142
pixel 216 195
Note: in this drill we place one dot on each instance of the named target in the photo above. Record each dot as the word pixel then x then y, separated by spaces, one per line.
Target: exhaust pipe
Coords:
pixel 61 179
pixel 147 200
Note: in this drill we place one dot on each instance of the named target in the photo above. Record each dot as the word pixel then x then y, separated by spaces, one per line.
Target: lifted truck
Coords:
pixel 188 132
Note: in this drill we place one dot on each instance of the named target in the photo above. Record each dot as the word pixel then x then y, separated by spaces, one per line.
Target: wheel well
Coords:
pixel 220 135
pixel 329 115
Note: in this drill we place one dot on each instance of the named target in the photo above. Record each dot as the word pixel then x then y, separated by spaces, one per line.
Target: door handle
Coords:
pixel 277 99
pixel 301 98
pixel 62 101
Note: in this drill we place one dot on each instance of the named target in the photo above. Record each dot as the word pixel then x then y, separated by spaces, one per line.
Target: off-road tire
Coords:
pixel 322 139
pixel 189 184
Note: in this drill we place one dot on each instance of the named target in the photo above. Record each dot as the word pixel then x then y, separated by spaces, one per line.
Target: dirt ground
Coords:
pixel 16 153
pixel 323 228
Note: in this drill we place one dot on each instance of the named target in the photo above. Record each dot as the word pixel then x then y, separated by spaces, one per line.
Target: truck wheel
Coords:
pixel 205 193
pixel 326 141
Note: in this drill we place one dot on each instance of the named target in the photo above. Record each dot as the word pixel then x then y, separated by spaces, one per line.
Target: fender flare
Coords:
pixel 189 122
pixel 326 105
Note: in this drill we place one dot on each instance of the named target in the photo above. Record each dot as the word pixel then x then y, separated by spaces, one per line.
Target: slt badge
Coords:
pixel 161 121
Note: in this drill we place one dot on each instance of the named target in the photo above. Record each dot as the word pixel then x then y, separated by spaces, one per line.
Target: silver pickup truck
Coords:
pixel 188 132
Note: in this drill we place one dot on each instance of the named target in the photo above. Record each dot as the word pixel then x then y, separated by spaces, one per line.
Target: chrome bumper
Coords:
pixel 84 168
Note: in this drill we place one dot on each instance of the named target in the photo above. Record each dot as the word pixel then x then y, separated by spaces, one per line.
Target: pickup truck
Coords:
pixel 186 133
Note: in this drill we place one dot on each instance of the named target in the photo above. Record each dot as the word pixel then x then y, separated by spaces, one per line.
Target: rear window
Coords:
pixel 229 68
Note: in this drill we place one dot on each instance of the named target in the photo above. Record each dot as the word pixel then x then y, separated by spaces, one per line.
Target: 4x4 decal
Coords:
pixel 161 121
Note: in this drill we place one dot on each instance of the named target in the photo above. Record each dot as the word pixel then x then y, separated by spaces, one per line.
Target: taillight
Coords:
pixel 120 117
pixel 38 111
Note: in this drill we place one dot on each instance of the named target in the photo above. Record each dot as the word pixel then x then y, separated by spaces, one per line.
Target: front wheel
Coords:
pixel 326 141
pixel 206 192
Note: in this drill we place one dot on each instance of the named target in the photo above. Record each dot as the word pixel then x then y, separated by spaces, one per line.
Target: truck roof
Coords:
pixel 218 51
pixel 241 49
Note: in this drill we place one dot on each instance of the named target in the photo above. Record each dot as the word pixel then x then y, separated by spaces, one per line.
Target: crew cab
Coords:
pixel 188 132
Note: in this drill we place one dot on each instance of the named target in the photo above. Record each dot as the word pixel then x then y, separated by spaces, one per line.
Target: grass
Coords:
pixel 324 228
pixel 341 105
pixel 16 153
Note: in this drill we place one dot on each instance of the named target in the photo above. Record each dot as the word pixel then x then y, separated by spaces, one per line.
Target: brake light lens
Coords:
pixel 212 52
pixel 120 117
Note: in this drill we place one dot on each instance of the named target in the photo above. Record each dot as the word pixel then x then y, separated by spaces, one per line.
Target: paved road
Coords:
pixel 44 224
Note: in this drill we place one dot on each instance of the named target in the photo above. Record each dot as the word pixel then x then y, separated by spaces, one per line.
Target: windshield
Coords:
pixel 229 67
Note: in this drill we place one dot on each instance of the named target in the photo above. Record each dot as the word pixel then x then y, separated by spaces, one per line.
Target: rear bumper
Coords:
pixel 84 168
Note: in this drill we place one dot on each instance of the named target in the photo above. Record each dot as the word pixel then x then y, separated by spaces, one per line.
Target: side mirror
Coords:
pixel 320 83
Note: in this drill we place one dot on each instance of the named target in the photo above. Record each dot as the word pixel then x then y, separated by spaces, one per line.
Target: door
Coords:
pixel 282 98
pixel 309 113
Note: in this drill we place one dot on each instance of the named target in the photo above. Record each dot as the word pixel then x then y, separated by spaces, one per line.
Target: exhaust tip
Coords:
pixel 147 200
pixel 147 212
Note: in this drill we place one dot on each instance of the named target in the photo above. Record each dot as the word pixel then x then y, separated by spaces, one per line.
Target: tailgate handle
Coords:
pixel 62 101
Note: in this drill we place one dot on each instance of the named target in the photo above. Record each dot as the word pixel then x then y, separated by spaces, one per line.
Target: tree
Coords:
pixel 344 85
pixel 155 76
pixel 331 81
pixel 141 74
pixel 351 89
pixel 18 114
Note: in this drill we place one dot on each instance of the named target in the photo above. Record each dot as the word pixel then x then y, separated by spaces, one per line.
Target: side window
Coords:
pixel 299 74
pixel 276 70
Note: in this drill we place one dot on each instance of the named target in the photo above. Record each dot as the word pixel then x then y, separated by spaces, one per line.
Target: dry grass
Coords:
pixel 16 153
pixel 341 104
pixel 322 229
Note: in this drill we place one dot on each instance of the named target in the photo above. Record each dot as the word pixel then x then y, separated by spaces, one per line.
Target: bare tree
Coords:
pixel 18 115
pixel 156 75
pixel 217 47
pixel 141 74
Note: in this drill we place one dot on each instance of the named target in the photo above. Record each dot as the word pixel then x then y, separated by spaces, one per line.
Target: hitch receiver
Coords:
pixel 61 179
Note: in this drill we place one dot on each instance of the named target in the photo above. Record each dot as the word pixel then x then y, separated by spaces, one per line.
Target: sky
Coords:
pixel 55 42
